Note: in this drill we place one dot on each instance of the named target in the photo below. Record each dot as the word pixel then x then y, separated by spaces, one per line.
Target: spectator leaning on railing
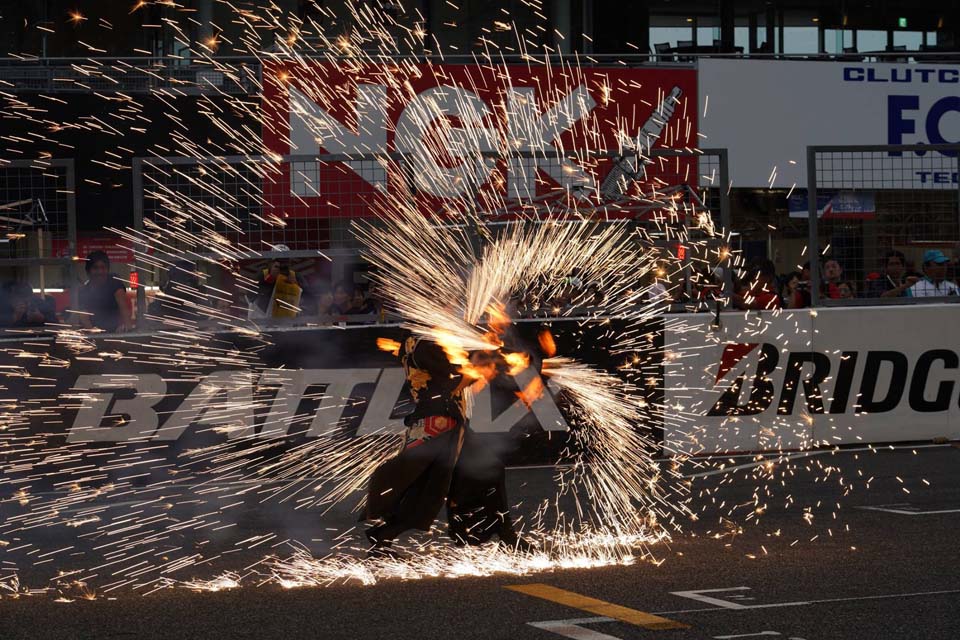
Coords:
pixel 846 290
pixel 788 287
pixel 278 290
pixel 892 283
pixel 954 271
pixel 19 307
pixel 800 292
pixel 934 282
pixel 832 273
pixel 342 298
pixel 103 297
pixel 180 296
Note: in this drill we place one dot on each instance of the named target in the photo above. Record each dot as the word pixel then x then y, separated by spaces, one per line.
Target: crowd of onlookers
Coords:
pixel 761 288
pixel 280 292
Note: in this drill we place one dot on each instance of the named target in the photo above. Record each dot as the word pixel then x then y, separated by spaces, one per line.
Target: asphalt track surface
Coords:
pixel 886 567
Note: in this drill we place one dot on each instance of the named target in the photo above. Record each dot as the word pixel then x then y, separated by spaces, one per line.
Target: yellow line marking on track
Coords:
pixel 598 607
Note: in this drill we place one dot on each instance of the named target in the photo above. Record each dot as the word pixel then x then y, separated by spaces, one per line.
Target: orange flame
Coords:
pixel 498 319
pixel 547 343
pixel 480 370
pixel 532 392
pixel 391 346
pixel 517 361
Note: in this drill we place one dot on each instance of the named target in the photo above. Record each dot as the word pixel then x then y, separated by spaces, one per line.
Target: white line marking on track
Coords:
pixel 726 606
pixel 906 510
pixel 568 630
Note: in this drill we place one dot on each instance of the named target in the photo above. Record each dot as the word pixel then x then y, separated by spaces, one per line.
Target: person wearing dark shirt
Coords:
pixel 440 462
pixel 800 299
pixel 359 305
pixel 181 296
pixel 342 299
pixel 832 273
pixel 19 307
pixel 892 284
pixel 103 297
pixel 790 284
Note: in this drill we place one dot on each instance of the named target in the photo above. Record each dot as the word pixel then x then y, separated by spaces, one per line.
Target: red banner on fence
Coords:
pixel 118 250
pixel 444 117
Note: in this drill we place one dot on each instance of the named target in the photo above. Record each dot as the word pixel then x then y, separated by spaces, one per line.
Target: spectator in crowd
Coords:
pixel 277 275
pixel 323 295
pixel 759 289
pixel 359 305
pixel 832 273
pixel 892 283
pixel 788 290
pixel 800 298
pixel 342 298
pixel 954 272
pixel 19 307
pixel 180 294
pixel 934 282
pixel 375 297
pixel 846 290
pixel 103 297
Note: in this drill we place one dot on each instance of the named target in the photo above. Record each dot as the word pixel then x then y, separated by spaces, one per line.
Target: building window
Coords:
pixel 836 40
pixel 671 29
pixel 741 38
pixel 871 40
pixel 800 40
pixel 909 39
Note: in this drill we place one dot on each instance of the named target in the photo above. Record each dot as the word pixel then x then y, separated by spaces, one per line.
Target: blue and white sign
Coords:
pixel 849 205
pixel 768 112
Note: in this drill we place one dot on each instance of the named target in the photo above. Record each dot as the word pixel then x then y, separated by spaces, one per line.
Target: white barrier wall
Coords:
pixel 798 379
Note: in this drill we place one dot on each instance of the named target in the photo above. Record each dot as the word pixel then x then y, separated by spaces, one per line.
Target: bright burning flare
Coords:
pixel 388 345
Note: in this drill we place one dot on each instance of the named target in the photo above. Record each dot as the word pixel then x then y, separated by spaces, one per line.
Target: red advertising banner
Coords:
pixel 443 118
pixel 119 250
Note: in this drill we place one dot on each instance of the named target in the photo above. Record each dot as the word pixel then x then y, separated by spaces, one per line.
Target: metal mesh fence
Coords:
pixel 250 209
pixel 883 215
pixel 307 203
pixel 36 209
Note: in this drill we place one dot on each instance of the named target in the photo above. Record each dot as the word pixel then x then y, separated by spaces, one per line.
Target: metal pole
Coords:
pixel 726 219
pixel 72 232
pixel 138 247
pixel 813 242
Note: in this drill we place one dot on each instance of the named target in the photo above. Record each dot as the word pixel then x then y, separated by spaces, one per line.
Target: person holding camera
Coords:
pixel 19 307
pixel 276 278
pixel 893 283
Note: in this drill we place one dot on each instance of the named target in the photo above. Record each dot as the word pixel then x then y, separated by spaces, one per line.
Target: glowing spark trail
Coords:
pixel 474 213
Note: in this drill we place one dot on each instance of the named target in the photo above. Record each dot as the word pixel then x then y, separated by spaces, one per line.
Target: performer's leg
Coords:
pixel 406 492
pixel 477 508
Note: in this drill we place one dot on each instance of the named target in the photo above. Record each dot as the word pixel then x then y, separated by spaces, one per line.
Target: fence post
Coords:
pixel 71 188
pixel 725 219
pixel 813 241
pixel 138 248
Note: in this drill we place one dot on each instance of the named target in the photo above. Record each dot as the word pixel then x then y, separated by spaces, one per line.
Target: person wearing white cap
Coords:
pixel 934 282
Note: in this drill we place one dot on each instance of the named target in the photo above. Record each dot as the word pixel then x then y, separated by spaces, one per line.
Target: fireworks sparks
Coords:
pixel 460 244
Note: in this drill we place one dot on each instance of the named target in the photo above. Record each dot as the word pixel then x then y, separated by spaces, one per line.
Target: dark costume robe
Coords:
pixel 441 461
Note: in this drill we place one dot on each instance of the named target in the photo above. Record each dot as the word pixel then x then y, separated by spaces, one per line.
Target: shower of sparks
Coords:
pixel 139 520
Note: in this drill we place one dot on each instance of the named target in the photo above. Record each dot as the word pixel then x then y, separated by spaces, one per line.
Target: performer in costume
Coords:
pixel 441 461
